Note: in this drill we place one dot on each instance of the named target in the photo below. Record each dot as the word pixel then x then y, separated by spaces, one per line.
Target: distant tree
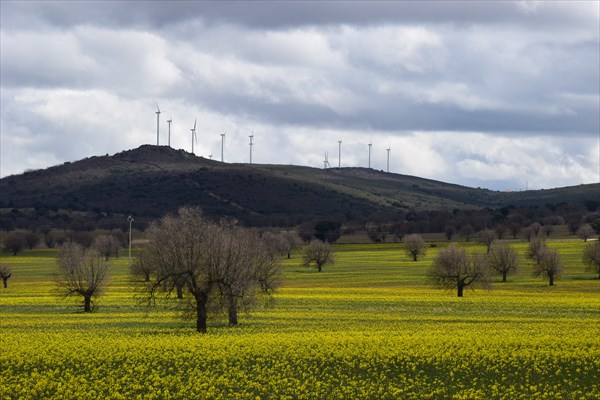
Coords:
pixel 107 246
pixel 450 231
pixel 415 245
pixel 31 239
pixel 515 229
pixel 466 232
pixel 328 231
pixel 500 231
pixel 83 238
pixel 318 253
pixel 535 228
pixel 5 273
pixel 549 264
pixel 503 259
pixel 13 243
pixel 585 232
pixel 375 233
pixel 81 273
pixel 534 249
pixel 574 223
pixel 548 229
pixel 399 229
pixel 487 237
pixel 142 266
pixel 452 267
pixel 595 224
pixel 591 257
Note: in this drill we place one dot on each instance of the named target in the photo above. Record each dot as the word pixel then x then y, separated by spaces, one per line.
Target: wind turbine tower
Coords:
pixel 339 153
pixel 222 144
pixel 251 144
pixel 157 123
pixel 194 137
pixel 169 122
pixel 370 144
pixel 388 159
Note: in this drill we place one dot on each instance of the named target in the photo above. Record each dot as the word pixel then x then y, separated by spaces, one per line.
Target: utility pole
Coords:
pixel 130 220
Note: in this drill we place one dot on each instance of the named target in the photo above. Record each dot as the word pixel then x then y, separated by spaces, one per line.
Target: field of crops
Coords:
pixel 368 327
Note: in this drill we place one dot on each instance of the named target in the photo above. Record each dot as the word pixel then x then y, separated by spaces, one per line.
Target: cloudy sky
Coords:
pixel 495 94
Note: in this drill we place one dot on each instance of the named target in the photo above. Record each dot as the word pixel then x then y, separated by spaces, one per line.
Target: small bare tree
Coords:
pixel 5 273
pixel 453 267
pixel 503 259
pixel 13 243
pixel 107 246
pixel 81 273
pixel 142 267
pixel 415 246
pixel 548 263
pixel 318 253
pixel 533 250
pixel 585 232
pixel 591 257
pixel 487 237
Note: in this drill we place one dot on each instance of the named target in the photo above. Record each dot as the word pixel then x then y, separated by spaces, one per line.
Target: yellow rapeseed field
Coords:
pixel 368 327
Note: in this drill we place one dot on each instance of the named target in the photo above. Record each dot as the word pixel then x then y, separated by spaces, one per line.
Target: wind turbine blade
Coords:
pixel 194 124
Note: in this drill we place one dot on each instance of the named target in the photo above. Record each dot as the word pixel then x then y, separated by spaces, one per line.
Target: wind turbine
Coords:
pixel 157 123
pixel 222 143
pixel 169 122
pixel 370 144
pixel 339 153
pixel 194 137
pixel 326 161
pixel 251 144
pixel 388 159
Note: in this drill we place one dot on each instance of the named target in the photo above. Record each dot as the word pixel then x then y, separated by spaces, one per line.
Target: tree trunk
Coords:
pixel 414 256
pixel 232 310
pixel 147 276
pixel 5 280
pixel 289 255
pixel 504 276
pixel 319 266
pixel 551 276
pixel 87 303
pixel 179 288
pixel 201 300
pixel 460 289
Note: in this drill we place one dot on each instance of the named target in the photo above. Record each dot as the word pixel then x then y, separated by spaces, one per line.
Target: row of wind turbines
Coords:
pixel 194 136
pixel 195 139
pixel 326 160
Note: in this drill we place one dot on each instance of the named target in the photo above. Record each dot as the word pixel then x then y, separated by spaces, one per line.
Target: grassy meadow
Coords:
pixel 368 327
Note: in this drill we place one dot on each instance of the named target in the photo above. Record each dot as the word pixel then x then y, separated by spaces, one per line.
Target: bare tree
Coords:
pixel 209 261
pixel 181 247
pixel 318 253
pixel 535 228
pixel 13 243
pixel 591 257
pixel 82 273
pixel 534 248
pixel 503 259
pixel 467 231
pixel 453 267
pixel 415 246
pixel 585 232
pixel 5 273
pixel 107 246
pixel 31 239
pixel 549 263
pixel 142 266
pixel 487 237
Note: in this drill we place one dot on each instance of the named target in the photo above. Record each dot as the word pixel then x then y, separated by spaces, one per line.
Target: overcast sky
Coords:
pixel 494 94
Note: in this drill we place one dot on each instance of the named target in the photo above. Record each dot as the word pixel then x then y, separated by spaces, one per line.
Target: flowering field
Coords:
pixel 369 327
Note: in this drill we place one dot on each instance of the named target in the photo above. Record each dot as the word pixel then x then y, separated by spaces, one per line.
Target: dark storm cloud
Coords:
pixel 278 14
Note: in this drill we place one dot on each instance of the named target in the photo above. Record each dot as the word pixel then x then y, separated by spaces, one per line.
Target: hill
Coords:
pixel 152 180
